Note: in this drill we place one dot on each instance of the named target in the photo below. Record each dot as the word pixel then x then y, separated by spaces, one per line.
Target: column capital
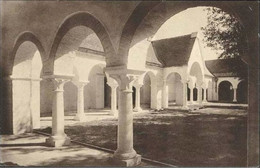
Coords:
pixel 124 76
pixel 58 80
pixel 138 86
pixel 112 85
pixel 80 84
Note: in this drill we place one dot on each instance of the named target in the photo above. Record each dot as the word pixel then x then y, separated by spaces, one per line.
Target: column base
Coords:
pixel 80 117
pixel 58 141
pixel 135 161
pixel 138 109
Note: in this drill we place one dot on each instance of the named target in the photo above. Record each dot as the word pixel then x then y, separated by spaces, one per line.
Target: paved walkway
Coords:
pixel 30 150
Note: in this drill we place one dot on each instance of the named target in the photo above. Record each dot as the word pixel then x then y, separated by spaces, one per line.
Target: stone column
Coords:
pixel 205 95
pixel 235 95
pixel 137 98
pixel 199 95
pixel 58 137
pixel 191 95
pixel 184 94
pixel 165 94
pixel 80 116
pixel 125 155
pixel 114 110
pixel 125 152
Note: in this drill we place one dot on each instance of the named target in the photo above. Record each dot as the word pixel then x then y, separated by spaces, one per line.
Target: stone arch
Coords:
pixel 26 72
pixel 148 89
pixel 172 73
pixel 225 91
pixel 26 37
pixel 81 19
pixel 95 89
pixel 174 87
pixel 196 71
pixel 153 15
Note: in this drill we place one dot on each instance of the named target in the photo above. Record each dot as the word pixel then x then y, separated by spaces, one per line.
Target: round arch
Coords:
pixel 174 87
pixel 26 72
pixel 95 89
pixel 156 13
pixel 151 76
pixel 89 21
pixel 146 89
pixel 196 71
pixel 173 73
pixel 26 37
pixel 225 91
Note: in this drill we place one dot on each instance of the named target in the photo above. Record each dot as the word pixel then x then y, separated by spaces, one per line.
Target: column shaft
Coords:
pixel 58 138
pixel 137 99
pixel 113 100
pixel 205 95
pixel 235 95
pixel 80 116
pixel 184 95
pixel 165 94
pixel 199 95
pixel 191 95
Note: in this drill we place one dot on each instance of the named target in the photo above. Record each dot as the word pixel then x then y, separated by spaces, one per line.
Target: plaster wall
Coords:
pixel 146 92
pixel 70 96
pixel 156 76
pixel 21 106
pixel 196 56
pixel 46 89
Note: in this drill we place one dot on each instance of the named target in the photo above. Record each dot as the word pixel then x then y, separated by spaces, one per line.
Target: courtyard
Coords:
pixel 131 83
pixel 203 137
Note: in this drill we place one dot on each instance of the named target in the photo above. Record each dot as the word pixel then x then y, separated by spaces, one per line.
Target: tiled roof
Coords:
pixel 226 67
pixel 174 51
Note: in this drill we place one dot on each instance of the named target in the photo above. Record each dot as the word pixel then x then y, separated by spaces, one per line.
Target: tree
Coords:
pixel 224 32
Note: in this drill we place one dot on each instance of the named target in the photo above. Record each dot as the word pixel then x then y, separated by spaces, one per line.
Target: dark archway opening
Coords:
pixel 107 97
pixel 242 92
pixel 225 92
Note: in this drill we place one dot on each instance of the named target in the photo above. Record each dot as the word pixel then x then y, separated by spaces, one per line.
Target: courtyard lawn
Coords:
pixel 206 137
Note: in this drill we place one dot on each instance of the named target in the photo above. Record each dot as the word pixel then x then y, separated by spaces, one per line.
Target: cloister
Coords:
pixel 83 55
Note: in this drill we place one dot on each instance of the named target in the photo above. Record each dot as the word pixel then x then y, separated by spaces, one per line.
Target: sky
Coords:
pixel 186 22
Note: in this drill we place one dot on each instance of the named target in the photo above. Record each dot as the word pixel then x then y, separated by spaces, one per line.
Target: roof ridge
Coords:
pixel 176 37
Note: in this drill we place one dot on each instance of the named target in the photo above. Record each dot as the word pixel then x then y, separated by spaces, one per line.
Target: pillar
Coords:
pixel 137 98
pixel 199 95
pixel 125 155
pixel 80 116
pixel 58 137
pixel 114 110
pixel 235 95
pixel 205 95
pixel 191 95
pixel 165 94
pixel 184 94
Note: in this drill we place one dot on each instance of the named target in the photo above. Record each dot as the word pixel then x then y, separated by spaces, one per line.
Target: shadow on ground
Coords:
pixel 207 137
